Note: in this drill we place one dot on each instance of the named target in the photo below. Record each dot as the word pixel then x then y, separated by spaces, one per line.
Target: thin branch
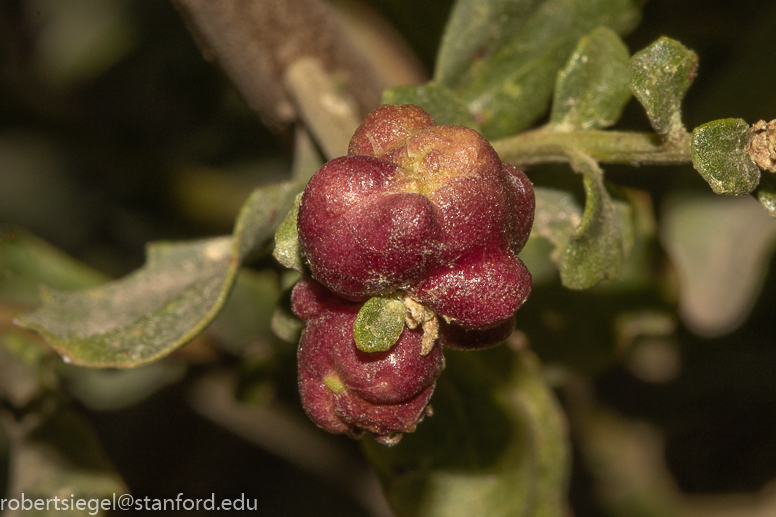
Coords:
pixel 256 41
pixel 326 112
pixel 544 146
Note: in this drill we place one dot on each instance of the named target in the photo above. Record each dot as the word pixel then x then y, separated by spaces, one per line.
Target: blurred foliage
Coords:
pixel 115 132
pixel 508 456
pixel 164 305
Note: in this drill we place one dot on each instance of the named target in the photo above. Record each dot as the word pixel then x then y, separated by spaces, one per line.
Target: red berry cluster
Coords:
pixel 345 390
pixel 427 211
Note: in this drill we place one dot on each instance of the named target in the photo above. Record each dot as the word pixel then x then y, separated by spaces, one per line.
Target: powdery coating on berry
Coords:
pixel 395 240
pixel 359 238
pixel 470 219
pixel 353 416
pixel 345 390
pixel 344 183
pixel 523 206
pixel 386 128
pixel 440 153
pixel 382 420
pixel 387 377
pixel 427 209
pixel 478 292
pixel 309 300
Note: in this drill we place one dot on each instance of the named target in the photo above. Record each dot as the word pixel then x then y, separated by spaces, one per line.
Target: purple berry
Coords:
pixel 429 215
pixel 426 209
pixel 345 390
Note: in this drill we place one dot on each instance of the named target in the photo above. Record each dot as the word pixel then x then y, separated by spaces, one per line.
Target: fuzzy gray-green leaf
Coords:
pixel 284 323
pixel 510 87
pixel 661 74
pixel 593 87
pixel 287 250
pixel 595 251
pixel 720 155
pixel 444 106
pixel 557 215
pixel 166 303
pixel 379 324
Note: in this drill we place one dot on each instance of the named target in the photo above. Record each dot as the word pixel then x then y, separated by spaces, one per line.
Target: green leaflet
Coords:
pixel 593 87
pixel 379 324
pixel 166 303
pixel 444 106
pixel 720 155
pixel 495 445
pixel 284 323
pixel 661 74
pixel 287 250
pixel 595 251
pixel 509 87
pixel 557 215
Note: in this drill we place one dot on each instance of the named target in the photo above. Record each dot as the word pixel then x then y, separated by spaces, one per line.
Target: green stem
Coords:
pixel 544 145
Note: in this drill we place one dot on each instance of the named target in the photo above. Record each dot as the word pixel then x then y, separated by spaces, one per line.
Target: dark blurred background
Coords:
pixel 114 131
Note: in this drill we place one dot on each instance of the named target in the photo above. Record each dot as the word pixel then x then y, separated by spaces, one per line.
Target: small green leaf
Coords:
pixel 556 216
pixel 593 88
pixel 510 87
pixel 284 323
pixel 334 383
pixel 287 250
pixel 444 106
pixel 661 74
pixel 595 251
pixel 496 444
pixel 720 154
pixel 150 313
pixel 379 324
